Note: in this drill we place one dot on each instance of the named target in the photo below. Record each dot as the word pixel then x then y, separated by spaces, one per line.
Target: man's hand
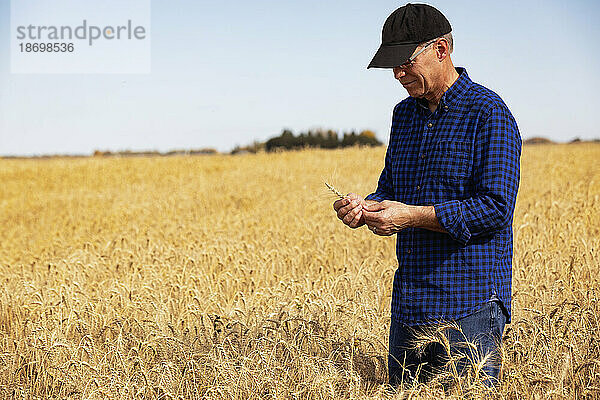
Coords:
pixel 387 217
pixel 349 210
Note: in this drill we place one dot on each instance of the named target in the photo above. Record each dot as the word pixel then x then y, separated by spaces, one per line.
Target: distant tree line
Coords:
pixel 325 139
pixel 328 139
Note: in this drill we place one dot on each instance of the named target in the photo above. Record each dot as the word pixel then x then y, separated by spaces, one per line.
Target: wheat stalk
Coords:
pixel 335 191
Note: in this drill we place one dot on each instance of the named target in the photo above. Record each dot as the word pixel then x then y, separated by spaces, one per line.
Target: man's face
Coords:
pixel 420 78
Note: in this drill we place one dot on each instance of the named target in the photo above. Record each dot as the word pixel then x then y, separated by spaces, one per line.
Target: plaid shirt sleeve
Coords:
pixel 496 172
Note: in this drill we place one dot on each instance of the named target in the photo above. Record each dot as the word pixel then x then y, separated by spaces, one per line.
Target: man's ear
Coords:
pixel 442 51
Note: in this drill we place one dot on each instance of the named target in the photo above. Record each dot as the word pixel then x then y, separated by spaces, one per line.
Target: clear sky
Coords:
pixel 226 73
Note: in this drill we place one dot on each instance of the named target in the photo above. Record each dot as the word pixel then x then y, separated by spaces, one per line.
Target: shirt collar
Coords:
pixel 455 92
pixel 458 88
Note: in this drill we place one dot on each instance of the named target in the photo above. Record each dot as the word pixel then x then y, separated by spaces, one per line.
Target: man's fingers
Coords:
pixel 351 214
pixel 357 198
pixel 374 207
pixel 340 203
pixel 349 209
pixel 342 212
pixel 340 207
pixel 354 223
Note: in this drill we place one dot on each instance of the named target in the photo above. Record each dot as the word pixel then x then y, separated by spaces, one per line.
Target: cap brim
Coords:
pixel 390 56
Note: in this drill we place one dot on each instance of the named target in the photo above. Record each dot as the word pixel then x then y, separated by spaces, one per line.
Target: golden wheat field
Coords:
pixel 230 277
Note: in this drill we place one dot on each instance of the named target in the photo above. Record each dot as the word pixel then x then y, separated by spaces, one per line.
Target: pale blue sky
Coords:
pixel 230 72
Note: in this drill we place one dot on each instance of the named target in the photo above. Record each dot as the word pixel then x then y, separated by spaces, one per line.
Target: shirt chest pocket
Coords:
pixel 450 160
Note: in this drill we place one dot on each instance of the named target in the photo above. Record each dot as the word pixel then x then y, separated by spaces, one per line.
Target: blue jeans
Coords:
pixel 483 328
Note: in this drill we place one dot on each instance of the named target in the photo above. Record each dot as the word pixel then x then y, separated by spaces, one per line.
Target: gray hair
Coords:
pixel 449 39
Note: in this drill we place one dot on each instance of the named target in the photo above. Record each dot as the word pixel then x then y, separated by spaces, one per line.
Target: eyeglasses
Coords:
pixel 411 60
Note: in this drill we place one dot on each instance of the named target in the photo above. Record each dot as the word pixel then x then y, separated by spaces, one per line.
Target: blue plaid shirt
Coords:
pixel 463 159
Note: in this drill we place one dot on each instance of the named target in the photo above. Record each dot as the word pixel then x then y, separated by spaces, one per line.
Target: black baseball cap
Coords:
pixel 404 30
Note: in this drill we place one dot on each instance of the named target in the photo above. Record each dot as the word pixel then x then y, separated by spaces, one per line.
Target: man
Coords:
pixel 448 191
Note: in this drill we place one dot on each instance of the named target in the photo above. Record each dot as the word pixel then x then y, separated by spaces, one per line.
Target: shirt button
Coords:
pixel 429 125
pixel 446 108
pixel 418 187
pixel 408 251
pixel 422 156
